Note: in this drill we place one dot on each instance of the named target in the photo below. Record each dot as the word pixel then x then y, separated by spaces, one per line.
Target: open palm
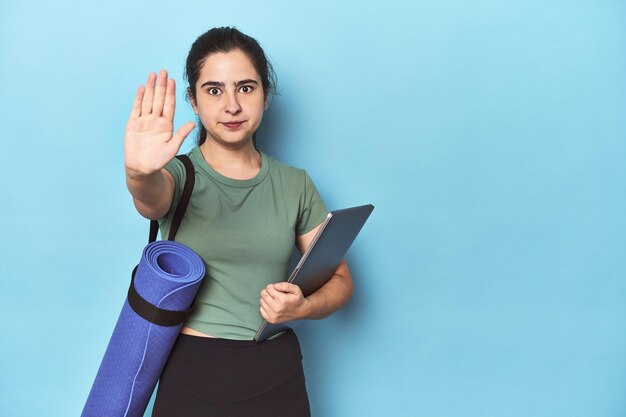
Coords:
pixel 150 142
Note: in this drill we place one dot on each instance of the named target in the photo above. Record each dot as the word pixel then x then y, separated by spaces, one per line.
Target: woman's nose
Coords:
pixel 232 105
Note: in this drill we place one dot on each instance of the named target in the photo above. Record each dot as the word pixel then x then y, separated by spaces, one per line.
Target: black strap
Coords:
pixel 154 230
pixel 185 196
pixel 154 314
pixel 141 306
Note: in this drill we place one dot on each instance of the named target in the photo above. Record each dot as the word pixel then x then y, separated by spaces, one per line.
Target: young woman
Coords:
pixel 246 213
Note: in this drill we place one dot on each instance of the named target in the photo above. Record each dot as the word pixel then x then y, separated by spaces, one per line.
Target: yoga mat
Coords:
pixel 168 276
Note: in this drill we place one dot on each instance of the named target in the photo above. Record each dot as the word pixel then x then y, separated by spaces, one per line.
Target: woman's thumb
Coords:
pixel 182 133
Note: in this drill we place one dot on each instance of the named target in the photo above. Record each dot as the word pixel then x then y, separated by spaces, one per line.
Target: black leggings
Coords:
pixel 207 377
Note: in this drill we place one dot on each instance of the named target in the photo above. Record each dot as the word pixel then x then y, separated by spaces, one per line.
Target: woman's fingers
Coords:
pixel 264 314
pixel 158 97
pixel 267 311
pixel 146 104
pixel 136 110
pixel 169 106
pixel 159 93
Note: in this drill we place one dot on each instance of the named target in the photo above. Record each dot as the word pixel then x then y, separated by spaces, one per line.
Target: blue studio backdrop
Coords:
pixel 490 136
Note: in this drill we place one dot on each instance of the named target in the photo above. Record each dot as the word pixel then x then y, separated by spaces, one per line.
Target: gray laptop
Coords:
pixel 321 259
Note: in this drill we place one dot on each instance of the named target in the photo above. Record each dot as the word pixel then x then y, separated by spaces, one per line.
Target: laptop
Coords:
pixel 322 257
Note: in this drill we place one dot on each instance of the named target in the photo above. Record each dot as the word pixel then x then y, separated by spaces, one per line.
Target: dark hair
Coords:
pixel 226 39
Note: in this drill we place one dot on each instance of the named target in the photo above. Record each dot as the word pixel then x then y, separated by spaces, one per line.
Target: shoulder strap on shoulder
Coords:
pixel 182 204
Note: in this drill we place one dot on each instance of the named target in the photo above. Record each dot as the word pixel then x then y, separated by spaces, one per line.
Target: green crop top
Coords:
pixel 245 231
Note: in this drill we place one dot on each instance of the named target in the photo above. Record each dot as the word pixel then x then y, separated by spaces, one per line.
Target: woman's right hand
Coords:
pixel 150 142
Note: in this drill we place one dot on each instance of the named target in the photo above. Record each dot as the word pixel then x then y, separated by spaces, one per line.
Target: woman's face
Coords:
pixel 229 98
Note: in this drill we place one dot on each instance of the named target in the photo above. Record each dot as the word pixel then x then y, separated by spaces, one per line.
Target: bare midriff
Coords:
pixel 192 332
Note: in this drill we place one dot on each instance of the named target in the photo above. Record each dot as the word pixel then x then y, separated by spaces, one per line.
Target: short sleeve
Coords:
pixel 312 208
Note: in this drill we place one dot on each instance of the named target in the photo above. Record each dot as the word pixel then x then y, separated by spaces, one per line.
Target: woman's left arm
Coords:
pixel 283 301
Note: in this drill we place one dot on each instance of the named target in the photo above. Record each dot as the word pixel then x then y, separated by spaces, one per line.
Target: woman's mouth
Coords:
pixel 232 125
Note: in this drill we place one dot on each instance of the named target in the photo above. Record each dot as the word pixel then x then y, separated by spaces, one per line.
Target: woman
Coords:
pixel 246 212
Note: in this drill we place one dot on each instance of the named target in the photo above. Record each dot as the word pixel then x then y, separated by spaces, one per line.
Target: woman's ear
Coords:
pixel 265 107
pixel 192 100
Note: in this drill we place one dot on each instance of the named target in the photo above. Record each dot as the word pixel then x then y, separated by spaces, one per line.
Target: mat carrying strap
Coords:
pixel 182 203
pixel 141 306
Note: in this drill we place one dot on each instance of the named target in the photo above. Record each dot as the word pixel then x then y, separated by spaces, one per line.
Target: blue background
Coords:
pixel 490 136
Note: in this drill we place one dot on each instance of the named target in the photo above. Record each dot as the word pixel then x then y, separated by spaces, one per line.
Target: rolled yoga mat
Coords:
pixel 168 277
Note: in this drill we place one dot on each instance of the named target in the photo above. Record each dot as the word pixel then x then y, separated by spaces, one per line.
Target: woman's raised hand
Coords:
pixel 150 142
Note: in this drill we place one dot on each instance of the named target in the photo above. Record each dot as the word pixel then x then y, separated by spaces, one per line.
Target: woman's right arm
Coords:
pixel 150 143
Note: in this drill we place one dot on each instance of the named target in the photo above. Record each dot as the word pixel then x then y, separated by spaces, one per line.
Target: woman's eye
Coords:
pixel 214 91
pixel 245 89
